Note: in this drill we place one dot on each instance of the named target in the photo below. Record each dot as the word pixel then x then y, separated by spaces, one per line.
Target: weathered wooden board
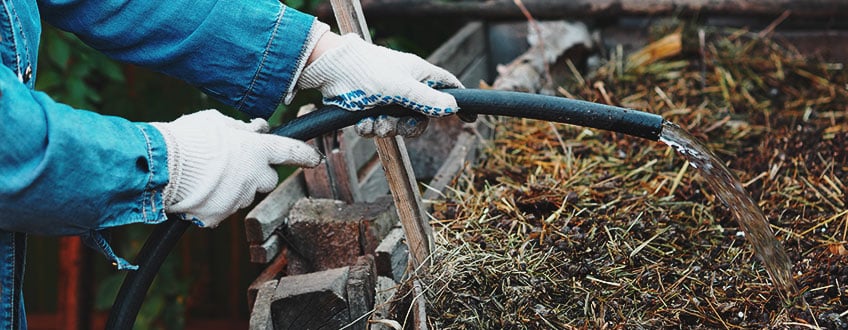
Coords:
pixel 582 9
pixel 271 212
pixel 312 301
pixel 466 46
pixel 260 316
pixel 391 256
pixel 266 251
pixel 274 270
pixel 361 290
pixel 463 152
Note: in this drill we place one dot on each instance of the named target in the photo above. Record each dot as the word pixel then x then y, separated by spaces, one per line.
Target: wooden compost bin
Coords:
pixel 328 260
pixel 325 256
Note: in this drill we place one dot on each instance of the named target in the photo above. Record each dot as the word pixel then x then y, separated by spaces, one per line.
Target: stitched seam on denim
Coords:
pixel 12 42
pixel 5 281
pixel 14 294
pixel 253 81
pixel 145 196
pixel 23 40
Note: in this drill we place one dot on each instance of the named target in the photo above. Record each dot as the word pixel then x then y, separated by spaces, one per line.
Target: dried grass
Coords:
pixel 565 227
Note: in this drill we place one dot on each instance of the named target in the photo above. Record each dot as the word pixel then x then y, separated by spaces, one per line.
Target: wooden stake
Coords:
pixel 401 179
pixel 393 155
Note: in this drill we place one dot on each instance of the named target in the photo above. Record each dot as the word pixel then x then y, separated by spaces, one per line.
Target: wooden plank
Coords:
pixel 265 252
pixel 384 300
pixel 312 301
pixel 476 72
pixel 829 45
pixel 419 304
pixel 335 178
pixel 270 273
pixel 361 150
pixel 271 212
pixel 330 299
pixel 452 167
pixel 260 315
pixel 430 149
pixel 391 256
pixel 407 200
pixel 393 155
pixel 372 184
pixel 361 284
pixel 583 9
pixel 467 45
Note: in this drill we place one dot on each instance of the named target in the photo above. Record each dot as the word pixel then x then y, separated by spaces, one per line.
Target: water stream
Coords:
pixel 728 189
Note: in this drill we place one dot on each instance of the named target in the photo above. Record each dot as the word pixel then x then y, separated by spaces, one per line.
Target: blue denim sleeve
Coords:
pixel 243 53
pixel 72 172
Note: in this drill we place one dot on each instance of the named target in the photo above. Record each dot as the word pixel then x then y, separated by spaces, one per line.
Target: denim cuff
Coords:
pixel 279 65
pixel 151 209
pixel 151 204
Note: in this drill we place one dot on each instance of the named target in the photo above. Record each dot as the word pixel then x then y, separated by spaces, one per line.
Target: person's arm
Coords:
pixel 65 171
pixel 247 54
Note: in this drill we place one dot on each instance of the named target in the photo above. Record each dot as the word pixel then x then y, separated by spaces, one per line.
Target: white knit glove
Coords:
pixel 217 164
pixel 356 75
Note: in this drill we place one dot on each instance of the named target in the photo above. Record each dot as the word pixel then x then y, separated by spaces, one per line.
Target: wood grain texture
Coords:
pixel 582 9
pixel 393 155
pixel 270 213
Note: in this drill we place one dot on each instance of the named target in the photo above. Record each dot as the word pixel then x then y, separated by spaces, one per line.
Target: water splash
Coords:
pixel 728 189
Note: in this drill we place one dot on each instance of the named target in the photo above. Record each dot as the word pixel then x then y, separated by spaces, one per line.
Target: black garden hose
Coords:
pixel 330 118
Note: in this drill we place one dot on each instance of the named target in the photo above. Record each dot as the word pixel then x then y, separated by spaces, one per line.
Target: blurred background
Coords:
pixel 203 283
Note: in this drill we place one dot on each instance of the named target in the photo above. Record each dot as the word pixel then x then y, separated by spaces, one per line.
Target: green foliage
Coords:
pixel 73 73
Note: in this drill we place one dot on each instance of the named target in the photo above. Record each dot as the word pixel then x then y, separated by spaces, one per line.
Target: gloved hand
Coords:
pixel 217 164
pixel 356 75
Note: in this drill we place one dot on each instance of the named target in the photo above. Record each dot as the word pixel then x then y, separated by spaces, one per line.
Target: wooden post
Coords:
pixel 399 174
pixel 582 9
pixel 393 155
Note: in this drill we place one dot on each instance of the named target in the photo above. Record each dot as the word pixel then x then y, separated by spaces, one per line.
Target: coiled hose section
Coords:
pixel 330 118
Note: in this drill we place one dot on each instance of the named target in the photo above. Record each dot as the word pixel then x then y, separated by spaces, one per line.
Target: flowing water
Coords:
pixel 728 189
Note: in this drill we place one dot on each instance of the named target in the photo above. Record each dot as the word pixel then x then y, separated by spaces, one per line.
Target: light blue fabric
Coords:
pixel 65 171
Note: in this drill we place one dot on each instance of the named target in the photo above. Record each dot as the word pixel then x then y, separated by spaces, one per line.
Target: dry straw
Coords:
pixel 567 227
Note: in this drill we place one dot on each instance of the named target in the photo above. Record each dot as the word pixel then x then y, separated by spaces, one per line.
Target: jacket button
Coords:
pixel 27 74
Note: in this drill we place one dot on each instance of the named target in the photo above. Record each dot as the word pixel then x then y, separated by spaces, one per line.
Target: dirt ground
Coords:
pixel 566 227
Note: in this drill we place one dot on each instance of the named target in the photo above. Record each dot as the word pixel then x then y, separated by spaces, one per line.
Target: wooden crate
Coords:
pixel 338 285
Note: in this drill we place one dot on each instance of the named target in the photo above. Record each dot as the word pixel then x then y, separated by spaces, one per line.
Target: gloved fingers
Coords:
pixel 365 127
pixel 285 151
pixel 380 126
pixel 429 101
pixel 266 180
pixel 258 125
pixel 412 126
pixel 213 117
pixel 430 74
pixel 437 77
pixel 385 126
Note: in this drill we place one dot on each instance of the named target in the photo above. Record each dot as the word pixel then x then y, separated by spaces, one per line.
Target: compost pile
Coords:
pixel 565 227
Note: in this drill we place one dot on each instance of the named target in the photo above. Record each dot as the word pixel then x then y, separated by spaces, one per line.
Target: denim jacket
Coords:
pixel 73 172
